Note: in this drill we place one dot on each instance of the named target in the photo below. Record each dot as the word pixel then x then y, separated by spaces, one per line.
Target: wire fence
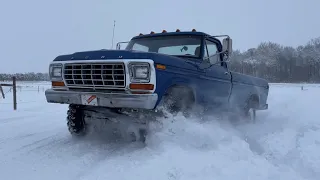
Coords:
pixel 26 92
pixel 26 89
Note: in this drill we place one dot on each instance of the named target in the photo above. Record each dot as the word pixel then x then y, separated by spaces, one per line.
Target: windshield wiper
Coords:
pixel 186 55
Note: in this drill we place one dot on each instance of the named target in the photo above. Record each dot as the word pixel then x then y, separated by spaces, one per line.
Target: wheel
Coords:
pixel 250 109
pixel 75 121
pixel 179 99
pixel 251 115
pixel 143 134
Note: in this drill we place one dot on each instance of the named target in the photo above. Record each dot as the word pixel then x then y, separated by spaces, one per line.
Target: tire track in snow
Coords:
pixel 21 137
pixel 26 118
pixel 12 119
pixel 31 145
pixel 27 130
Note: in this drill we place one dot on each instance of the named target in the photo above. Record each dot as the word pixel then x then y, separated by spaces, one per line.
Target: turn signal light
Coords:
pixel 141 86
pixel 160 66
pixel 57 84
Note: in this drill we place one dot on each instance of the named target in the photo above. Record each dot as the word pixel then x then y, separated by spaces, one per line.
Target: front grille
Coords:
pixel 95 75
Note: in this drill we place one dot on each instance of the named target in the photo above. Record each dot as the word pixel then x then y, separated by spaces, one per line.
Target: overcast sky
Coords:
pixel 34 32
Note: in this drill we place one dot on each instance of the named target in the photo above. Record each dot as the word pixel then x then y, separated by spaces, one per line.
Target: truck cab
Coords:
pixel 193 60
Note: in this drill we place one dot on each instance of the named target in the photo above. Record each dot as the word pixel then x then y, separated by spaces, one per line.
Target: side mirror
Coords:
pixel 118 46
pixel 227 45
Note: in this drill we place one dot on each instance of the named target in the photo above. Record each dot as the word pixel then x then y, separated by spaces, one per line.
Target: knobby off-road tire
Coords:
pixel 75 121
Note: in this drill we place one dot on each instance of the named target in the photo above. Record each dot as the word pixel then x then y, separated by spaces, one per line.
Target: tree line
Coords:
pixel 269 60
pixel 278 63
pixel 31 76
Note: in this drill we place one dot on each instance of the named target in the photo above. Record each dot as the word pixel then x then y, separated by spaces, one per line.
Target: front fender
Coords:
pixel 167 80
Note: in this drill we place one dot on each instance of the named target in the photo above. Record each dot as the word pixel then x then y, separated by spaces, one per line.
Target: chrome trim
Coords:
pixel 95 75
pixel 111 100
pixel 59 88
pixel 126 63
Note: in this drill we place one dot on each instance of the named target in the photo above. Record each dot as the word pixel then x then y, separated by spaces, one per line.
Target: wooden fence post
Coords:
pixel 14 90
pixel 14 87
pixel 2 92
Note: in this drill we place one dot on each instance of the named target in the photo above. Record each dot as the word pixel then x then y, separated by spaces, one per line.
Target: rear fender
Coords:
pixel 241 93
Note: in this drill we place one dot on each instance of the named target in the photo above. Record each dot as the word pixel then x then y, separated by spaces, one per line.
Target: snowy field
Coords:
pixel 283 144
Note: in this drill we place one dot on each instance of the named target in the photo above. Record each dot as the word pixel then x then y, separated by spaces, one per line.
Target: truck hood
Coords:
pixel 104 55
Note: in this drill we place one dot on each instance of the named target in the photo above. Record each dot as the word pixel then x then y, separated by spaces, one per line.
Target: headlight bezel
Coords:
pixel 132 71
pixel 51 71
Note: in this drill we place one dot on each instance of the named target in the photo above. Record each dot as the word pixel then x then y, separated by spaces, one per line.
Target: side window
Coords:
pixel 138 47
pixel 211 49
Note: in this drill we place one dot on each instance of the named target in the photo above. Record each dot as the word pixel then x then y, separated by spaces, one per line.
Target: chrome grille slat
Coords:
pixel 93 79
pixel 95 75
pixel 73 76
pixel 81 75
pixel 98 69
pixel 91 76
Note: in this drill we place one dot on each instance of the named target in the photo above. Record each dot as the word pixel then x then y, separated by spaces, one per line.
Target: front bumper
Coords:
pixel 111 100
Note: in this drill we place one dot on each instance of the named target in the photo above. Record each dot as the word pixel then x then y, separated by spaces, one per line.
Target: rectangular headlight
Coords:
pixel 139 72
pixel 55 71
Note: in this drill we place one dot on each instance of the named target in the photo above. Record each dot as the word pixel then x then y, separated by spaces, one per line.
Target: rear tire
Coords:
pixel 251 115
pixel 75 121
pixel 250 109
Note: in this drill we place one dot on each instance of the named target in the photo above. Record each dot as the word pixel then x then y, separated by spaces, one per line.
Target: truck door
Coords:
pixel 219 77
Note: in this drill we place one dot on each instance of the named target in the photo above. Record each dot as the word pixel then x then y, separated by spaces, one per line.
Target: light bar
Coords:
pixel 164 31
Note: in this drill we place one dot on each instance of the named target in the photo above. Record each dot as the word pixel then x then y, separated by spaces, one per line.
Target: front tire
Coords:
pixel 75 121
pixel 143 135
pixel 179 99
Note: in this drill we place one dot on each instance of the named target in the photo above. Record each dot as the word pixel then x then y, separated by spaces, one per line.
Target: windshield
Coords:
pixel 170 45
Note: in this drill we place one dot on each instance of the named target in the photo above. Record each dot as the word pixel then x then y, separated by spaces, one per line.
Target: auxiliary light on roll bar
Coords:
pixel 164 31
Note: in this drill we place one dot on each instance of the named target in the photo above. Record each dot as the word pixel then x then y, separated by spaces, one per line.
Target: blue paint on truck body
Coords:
pixel 211 86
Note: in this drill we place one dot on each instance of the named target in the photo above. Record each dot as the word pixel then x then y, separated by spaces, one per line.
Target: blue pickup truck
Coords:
pixel 177 70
